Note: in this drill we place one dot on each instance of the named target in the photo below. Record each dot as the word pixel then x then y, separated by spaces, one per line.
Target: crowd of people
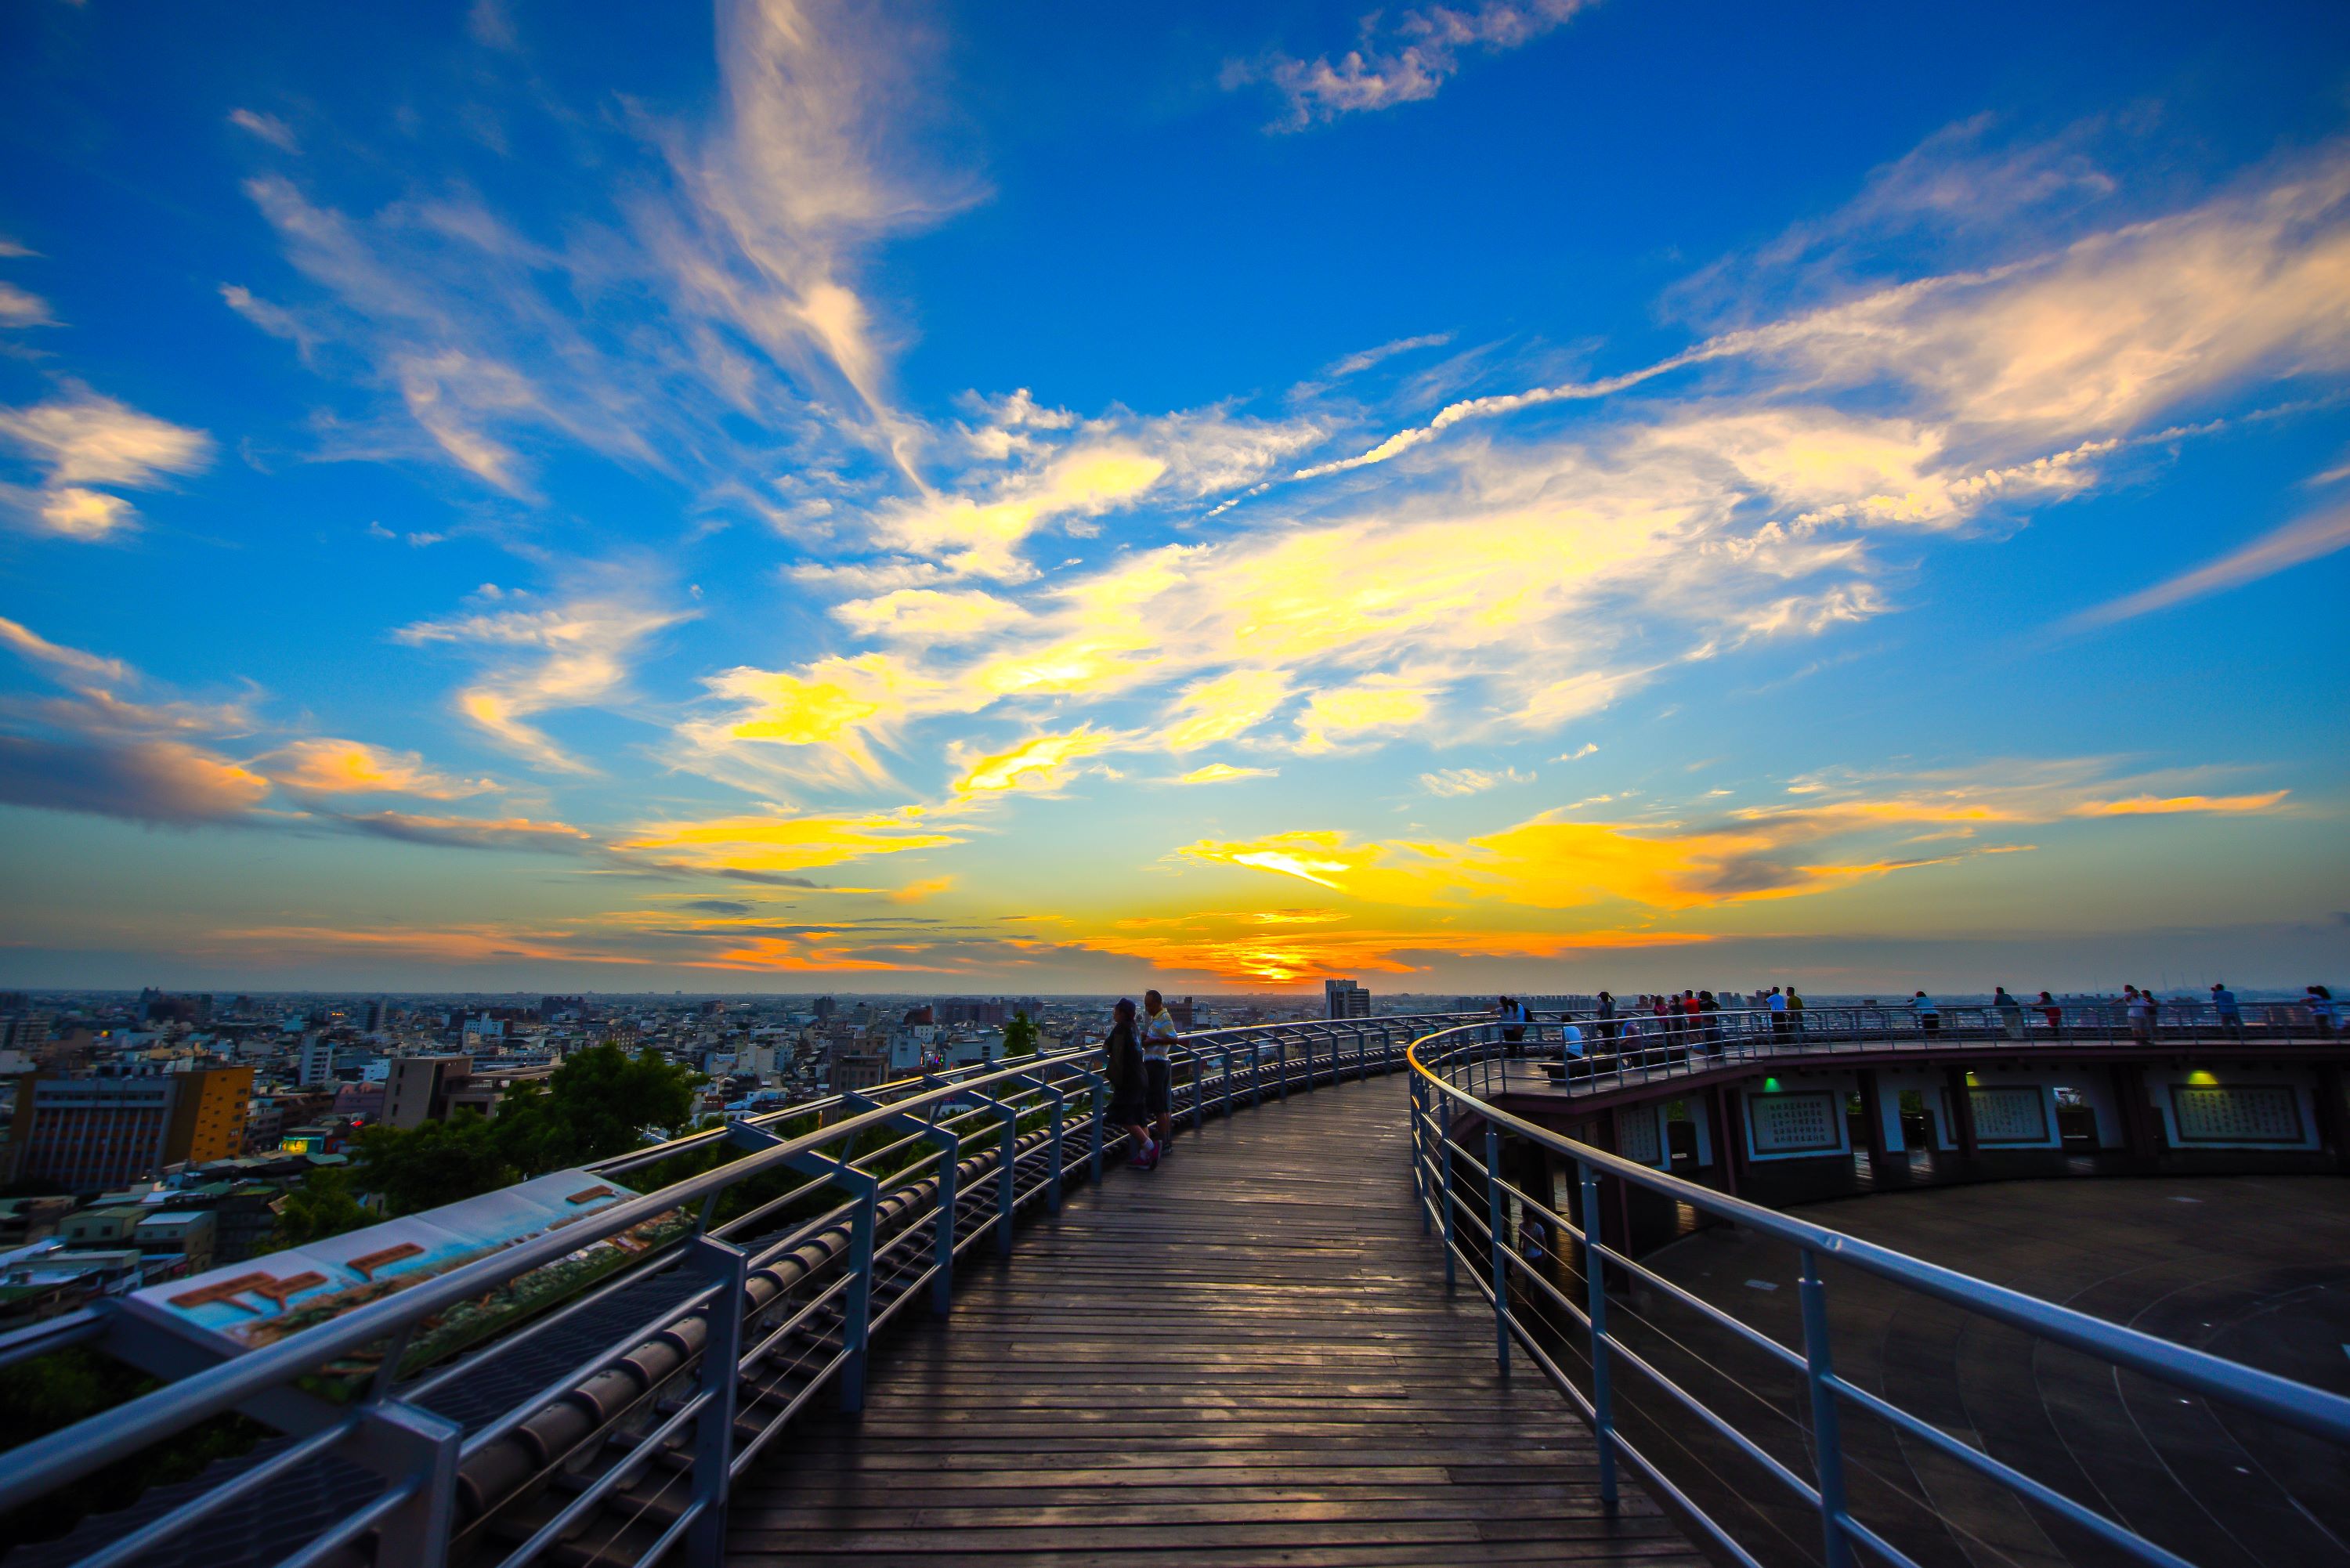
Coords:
pixel 1141 1071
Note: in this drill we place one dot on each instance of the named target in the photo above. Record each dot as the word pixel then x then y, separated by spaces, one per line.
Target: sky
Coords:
pixel 1530 494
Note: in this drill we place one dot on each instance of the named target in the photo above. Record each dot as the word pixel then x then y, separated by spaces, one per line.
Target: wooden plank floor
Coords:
pixel 1245 1357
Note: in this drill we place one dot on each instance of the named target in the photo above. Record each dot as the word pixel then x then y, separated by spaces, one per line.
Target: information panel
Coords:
pixel 1796 1122
pixel 2010 1113
pixel 2237 1113
pixel 1636 1130
pixel 263 1300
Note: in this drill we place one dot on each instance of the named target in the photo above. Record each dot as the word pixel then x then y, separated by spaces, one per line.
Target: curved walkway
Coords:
pixel 1245 1357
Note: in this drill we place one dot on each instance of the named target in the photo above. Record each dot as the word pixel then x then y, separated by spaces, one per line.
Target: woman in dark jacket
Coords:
pixel 1124 1051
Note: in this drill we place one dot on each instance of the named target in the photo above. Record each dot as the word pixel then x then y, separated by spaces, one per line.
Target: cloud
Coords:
pixel 2303 539
pixel 327 767
pixel 1356 363
pixel 2094 337
pixel 806 169
pixel 1041 764
pixel 780 843
pixel 1451 782
pixel 1576 755
pixel 575 654
pixel 928 615
pixel 267 127
pixel 152 780
pixel 80 438
pixel 1402 61
pixel 1225 773
pixel 70 663
pixel 1849 831
pixel 467 832
pixel 21 307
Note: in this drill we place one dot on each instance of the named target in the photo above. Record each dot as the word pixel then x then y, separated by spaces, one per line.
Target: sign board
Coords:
pixel 243 1306
pixel 1804 1121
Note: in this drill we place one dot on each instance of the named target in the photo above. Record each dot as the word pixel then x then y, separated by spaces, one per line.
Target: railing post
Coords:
pixel 714 1425
pixel 1419 1103
pixel 1501 1253
pixel 1228 1082
pixel 404 1442
pixel 1595 1283
pixel 1199 1090
pixel 1444 1145
pixel 1827 1434
pixel 1284 1046
pixel 1094 1087
pixel 857 1311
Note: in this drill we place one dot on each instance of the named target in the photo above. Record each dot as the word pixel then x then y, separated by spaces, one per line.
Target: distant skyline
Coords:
pixel 1527 494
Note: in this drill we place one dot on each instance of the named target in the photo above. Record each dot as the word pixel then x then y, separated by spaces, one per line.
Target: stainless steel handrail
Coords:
pixel 1439 1100
pixel 1019 1109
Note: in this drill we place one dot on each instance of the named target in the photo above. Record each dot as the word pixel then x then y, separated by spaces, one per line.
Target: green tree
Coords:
pixel 440 1162
pixel 601 1102
pixel 323 1206
pixel 1020 1036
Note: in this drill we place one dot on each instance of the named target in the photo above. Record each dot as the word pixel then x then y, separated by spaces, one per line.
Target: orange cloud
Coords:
pixel 781 844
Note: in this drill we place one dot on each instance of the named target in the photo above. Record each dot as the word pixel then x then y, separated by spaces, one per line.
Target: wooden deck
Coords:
pixel 1245 1357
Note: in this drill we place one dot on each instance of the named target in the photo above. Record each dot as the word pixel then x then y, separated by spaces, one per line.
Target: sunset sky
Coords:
pixel 988 497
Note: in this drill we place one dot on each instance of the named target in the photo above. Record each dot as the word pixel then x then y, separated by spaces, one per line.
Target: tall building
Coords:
pixel 1345 998
pixel 416 1089
pixel 87 1134
pixel 314 1062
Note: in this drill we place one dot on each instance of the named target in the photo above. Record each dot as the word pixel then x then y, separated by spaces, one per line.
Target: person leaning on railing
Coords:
pixel 1159 1064
pixel 1128 1104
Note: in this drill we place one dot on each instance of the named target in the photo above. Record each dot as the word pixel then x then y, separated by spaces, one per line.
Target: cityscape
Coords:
pixel 855 781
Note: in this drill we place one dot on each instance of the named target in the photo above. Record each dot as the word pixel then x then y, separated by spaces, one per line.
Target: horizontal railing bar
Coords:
pixel 2307 1409
pixel 171 1523
pixel 556 1388
pixel 1657 1479
pixel 1713 1313
pixel 647 1449
pixel 1744 1444
pixel 2000 1471
pixel 348 1530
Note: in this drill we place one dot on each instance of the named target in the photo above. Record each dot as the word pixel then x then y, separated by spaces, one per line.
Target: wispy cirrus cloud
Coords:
pixel 573 653
pixel 267 127
pixel 2303 539
pixel 82 440
pixel 1403 59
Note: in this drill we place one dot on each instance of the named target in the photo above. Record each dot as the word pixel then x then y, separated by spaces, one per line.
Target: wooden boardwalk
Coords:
pixel 1245 1357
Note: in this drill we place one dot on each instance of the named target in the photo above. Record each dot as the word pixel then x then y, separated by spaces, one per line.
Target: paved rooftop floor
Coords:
pixel 2256 1269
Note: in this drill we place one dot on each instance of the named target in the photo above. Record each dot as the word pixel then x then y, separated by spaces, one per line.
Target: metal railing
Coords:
pixel 606 1420
pixel 1485 1220
pixel 1583 1052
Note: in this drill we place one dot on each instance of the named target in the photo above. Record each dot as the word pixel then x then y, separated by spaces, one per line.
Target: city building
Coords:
pixel 83 1134
pixel 417 1088
pixel 1345 998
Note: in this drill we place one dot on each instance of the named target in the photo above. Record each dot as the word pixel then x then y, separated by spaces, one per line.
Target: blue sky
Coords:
pixel 1534 494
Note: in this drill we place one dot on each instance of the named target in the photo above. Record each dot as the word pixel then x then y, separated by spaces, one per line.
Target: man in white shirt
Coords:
pixel 1159 1064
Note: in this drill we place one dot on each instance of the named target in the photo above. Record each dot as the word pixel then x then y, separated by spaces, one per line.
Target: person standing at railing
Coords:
pixel 1794 1011
pixel 1606 1018
pixel 2232 1017
pixel 1158 1065
pixel 2052 1010
pixel 1929 1016
pixel 2010 1011
pixel 1128 1102
pixel 1707 1009
pixel 1512 1014
pixel 2323 1014
pixel 1778 1002
pixel 2140 1006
